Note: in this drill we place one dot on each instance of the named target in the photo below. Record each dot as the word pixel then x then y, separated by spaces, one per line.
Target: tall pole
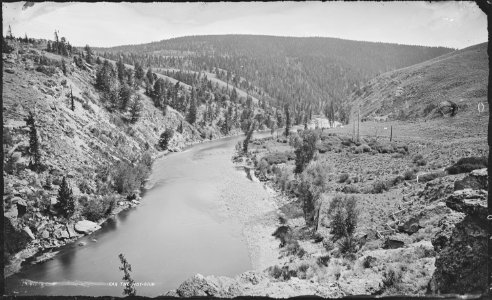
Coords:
pixel 358 125
pixel 391 134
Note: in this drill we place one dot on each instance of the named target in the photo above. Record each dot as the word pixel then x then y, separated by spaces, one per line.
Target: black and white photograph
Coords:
pixel 226 149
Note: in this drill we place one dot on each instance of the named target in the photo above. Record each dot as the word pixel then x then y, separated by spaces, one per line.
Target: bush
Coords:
pixel 47 70
pixel 165 137
pixel 468 164
pixel 314 182
pixel 379 186
pixel 366 148
pixel 305 151
pixel 343 177
pixel 391 277
pixel 328 244
pixel 127 178
pixel 368 261
pixel 323 260
pixel 430 176
pixel 276 158
pixel 347 244
pixel 344 214
pixel 409 175
pixel 419 160
pixel 275 271
pixel 93 210
pixel 350 189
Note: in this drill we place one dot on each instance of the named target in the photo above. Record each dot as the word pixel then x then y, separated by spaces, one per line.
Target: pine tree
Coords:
pixel 135 109
pixel 165 137
pixel 9 34
pixel 88 56
pixel 120 67
pixel 66 202
pixel 130 283
pixel 64 67
pixel 287 120
pixel 34 153
pixel 192 113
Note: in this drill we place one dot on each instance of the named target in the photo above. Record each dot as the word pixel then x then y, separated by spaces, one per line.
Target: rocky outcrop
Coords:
pixel 16 239
pixel 476 180
pixel 461 266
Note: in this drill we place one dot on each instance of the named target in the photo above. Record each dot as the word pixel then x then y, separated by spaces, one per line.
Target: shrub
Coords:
pixel 391 277
pixel 275 271
pixel 323 260
pixel 93 210
pixel 305 151
pixel 343 177
pixel 276 158
pixel 379 186
pixel 368 261
pixel 347 244
pixel 328 244
pixel 468 164
pixel 409 175
pixel 419 160
pixel 127 178
pixel 344 214
pixel 366 148
pixel 350 189
pixel 146 159
pixel 165 137
pixel 430 176
pixel 314 182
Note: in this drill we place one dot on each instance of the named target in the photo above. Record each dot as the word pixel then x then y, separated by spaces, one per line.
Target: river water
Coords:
pixel 181 228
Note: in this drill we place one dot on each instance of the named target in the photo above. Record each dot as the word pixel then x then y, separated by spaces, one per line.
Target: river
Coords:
pixel 181 228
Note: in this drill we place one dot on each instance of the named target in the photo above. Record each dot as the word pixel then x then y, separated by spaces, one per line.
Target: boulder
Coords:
pixel 45 234
pixel 29 232
pixel 470 202
pixel 61 234
pixel 411 226
pixel 12 212
pixel 461 264
pixel 393 244
pixel 86 227
pixel 476 180
pixel 71 231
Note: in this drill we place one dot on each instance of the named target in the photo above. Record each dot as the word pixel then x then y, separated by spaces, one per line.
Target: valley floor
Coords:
pixel 404 230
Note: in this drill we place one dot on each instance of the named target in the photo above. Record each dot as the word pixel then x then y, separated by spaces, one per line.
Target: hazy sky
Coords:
pixel 452 24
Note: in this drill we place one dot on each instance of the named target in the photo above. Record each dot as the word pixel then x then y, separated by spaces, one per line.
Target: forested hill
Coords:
pixel 307 72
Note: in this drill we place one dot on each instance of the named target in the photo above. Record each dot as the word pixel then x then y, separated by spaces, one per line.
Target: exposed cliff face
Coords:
pixel 461 266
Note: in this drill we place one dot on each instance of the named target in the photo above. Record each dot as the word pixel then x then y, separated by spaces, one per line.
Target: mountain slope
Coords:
pixel 306 72
pixel 416 91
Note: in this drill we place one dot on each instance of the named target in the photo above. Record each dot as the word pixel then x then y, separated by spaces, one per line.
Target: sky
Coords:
pixel 104 24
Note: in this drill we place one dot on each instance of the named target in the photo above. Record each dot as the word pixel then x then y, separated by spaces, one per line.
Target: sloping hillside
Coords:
pixel 305 72
pixel 416 91
pixel 103 156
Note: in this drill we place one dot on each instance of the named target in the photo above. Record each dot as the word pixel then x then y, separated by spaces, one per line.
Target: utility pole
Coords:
pixel 358 125
pixel 391 133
